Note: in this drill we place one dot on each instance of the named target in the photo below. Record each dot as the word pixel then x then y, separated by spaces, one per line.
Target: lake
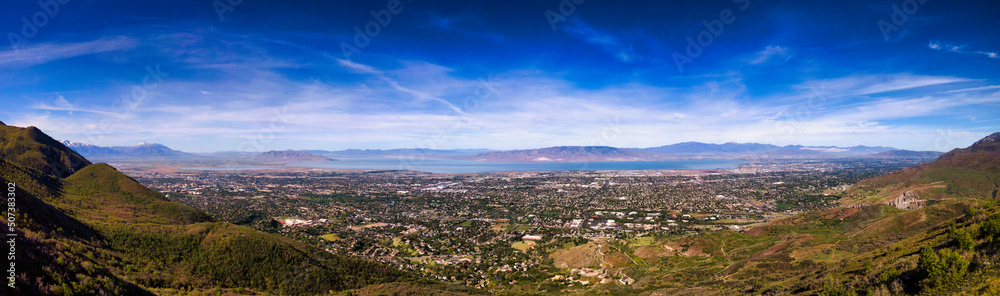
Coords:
pixel 451 166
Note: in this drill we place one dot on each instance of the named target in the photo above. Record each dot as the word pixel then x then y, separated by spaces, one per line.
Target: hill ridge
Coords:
pixel 31 147
pixel 98 231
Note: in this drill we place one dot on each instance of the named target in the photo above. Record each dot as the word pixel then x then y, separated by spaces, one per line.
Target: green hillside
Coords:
pixel 32 148
pixel 972 172
pixel 948 244
pixel 57 254
pixel 99 232
pixel 866 247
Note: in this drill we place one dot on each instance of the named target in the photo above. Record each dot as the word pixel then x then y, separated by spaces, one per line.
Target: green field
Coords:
pixel 642 242
pixel 330 237
pixel 522 246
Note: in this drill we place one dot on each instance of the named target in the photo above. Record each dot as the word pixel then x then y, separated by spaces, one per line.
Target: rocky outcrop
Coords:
pixel 909 200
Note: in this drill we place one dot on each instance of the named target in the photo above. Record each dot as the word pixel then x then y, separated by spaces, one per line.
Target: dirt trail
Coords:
pixel 723 249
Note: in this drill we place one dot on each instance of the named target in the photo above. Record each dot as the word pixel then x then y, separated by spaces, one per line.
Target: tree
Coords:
pixel 991 228
pixel 943 268
pixel 962 238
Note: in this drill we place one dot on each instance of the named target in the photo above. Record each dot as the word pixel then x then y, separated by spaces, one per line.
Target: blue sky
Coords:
pixel 251 75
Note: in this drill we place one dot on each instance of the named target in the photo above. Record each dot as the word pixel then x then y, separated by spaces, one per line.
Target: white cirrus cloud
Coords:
pixel 41 53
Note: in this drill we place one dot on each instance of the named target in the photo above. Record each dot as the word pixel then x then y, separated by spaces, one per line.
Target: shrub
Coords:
pixel 990 229
pixel 943 268
pixel 962 238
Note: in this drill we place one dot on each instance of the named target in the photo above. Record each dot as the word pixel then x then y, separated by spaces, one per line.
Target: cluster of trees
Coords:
pixel 942 268
pixel 214 254
pixel 55 253
pixel 79 249
pixel 87 229
pixel 949 267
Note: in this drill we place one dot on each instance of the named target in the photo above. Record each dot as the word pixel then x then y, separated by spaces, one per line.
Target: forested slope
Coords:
pixel 88 229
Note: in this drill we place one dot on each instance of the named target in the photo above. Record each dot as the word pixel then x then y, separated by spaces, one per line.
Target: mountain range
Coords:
pixel 568 153
pixel 289 155
pixel 696 150
pixel 403 152
pixel 141 150
pixel 685 150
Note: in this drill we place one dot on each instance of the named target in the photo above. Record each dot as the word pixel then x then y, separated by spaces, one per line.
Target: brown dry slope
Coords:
pixel 587 255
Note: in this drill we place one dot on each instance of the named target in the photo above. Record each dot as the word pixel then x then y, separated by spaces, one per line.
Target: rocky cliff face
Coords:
pixel 909 200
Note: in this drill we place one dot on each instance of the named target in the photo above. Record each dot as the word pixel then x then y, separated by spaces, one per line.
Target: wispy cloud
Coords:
pixel 45 52
pixel 73 109
pixel 961 49
pixel 869 85
pixel 60 103
pixel 618 47
pixel 772 51
pixel 407 104
pixel 988 87
pixel 357 67
pixel 420 95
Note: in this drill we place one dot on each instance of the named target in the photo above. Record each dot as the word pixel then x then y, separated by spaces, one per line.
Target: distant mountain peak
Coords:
pixel 72 144
pixel 990 144
pixel 144 149
pixel 149 144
